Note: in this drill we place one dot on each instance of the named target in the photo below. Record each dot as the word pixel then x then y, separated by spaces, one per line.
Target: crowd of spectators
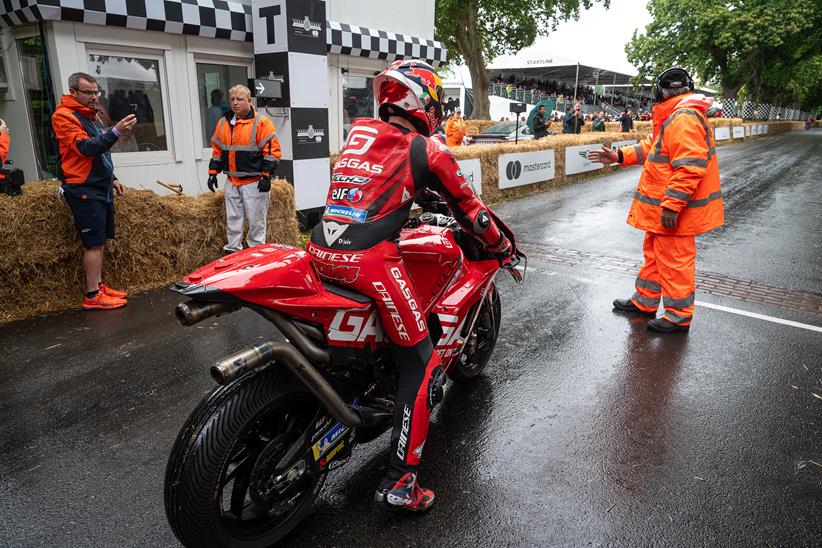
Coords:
pixel 533 90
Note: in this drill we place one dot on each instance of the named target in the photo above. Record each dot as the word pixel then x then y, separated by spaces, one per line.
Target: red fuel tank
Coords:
pixel 432 258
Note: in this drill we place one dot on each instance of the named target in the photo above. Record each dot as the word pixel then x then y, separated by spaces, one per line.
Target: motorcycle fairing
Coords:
pixel 284 278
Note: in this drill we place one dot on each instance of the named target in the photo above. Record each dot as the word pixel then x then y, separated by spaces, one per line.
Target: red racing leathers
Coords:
pixel 373 184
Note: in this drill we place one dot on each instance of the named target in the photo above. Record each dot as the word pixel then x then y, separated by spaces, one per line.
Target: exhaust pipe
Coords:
pixel 191 312
pixel 235 365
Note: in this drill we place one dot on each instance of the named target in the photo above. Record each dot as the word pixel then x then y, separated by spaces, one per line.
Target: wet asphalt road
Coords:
pixel 586 429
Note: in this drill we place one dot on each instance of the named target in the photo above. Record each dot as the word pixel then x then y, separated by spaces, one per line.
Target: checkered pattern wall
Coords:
pixel 207 18
pixel 378 44
pixel 213 19
pixel 729 108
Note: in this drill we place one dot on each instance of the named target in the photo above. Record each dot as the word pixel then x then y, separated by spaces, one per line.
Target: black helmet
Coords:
pixel 670 79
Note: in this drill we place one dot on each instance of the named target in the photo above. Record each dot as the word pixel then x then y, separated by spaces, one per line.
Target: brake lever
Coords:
pixel 513 263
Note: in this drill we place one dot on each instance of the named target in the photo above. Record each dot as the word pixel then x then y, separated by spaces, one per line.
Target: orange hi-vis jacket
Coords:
pixel 680 173
pixel 454 131
pixel 5 142
pixel 245 151
pixel 86 167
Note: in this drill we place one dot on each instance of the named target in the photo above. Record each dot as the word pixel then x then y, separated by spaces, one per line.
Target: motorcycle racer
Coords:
pixel 384 164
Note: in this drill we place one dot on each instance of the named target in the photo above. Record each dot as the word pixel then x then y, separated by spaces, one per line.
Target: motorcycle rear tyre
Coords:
pixel 202 448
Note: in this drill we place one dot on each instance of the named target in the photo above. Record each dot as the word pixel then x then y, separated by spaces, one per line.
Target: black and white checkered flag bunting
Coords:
pixel 213 19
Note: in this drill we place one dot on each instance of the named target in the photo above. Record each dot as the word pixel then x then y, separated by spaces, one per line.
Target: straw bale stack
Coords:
pixel 159 240
pixel 488 154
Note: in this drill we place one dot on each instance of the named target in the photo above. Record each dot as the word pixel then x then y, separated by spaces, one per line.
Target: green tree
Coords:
pixel 477 31
pixel 733 44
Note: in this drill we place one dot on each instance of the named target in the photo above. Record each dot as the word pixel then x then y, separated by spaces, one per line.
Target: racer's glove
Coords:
pixel 264 184
pixel 502 251
pixel 212 183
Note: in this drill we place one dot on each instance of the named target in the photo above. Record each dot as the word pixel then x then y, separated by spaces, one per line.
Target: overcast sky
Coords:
pixel 597 39
pixel 600 35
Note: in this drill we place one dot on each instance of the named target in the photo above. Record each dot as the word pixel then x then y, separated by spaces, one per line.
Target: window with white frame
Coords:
pixel 213 82
pixel 357 99
pixel 131 85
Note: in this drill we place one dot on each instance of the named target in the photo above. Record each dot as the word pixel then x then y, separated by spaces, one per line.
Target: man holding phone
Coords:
pixel 573 121
pixel 89 182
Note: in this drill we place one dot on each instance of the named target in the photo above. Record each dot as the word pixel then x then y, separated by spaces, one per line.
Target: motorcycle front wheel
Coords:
pixel 481 341
pixel 226 483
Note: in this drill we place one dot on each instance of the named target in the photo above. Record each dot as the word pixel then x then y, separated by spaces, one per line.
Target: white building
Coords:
pixel 166 58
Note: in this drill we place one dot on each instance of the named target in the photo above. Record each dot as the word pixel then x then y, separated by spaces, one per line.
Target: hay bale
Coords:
pixel 159 240
pixel 488 154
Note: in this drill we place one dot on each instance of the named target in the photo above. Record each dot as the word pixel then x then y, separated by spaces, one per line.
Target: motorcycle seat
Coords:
pixel 347 292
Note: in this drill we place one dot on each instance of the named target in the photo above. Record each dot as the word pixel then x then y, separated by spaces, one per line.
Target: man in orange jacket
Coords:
pixel 455 129
pixel 5 143
pixel 677 198
pixel 89 182
pixel 245 148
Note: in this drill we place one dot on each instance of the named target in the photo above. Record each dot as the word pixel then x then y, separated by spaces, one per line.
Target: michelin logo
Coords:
pixel 357 215
pixel 327 441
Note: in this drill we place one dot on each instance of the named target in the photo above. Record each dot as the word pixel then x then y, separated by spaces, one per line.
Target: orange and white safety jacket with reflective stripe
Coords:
pixel 5 143
pixel 454 131
pixel 245 150
pixel 680 172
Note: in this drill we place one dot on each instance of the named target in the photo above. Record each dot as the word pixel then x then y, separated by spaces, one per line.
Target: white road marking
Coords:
pixel 759 316
pixel 703 304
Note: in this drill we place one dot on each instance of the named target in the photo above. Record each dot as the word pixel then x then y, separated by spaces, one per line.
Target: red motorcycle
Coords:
pixel 252 457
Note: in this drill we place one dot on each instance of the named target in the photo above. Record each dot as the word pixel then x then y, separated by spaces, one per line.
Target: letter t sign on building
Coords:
pixel 290 48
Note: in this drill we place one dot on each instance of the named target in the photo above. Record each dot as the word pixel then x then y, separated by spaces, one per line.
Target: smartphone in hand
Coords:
pixel 133 108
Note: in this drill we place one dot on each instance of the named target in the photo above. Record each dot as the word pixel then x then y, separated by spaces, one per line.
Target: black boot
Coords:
pixel 627 305
pixel 663 325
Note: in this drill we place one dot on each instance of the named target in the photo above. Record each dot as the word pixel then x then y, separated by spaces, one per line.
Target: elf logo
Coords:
pixel 350 194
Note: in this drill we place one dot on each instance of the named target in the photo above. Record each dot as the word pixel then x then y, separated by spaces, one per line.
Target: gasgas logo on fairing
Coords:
pixel 356 326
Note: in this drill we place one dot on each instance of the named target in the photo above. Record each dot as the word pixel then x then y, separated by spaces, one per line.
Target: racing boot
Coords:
pixel 405 493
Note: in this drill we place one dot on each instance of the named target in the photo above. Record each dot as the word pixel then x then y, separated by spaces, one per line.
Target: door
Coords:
pixel 39 102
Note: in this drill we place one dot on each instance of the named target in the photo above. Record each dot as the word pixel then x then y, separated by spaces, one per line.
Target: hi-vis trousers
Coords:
pixel 668 272
pixel 245 202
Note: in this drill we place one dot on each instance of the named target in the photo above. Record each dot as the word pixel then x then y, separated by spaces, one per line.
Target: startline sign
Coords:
pixel 576 159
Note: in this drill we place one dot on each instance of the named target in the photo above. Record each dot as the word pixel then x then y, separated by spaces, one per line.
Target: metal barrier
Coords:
pixel 731 108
